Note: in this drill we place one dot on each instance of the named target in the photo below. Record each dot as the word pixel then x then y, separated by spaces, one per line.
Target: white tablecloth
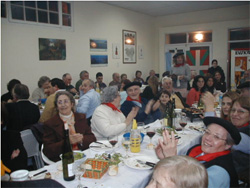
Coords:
pixel 127 177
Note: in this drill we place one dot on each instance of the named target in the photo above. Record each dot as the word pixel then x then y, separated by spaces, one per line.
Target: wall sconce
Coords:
pixel 198 37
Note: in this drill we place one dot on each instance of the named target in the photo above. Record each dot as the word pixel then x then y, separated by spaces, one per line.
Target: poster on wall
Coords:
pixel 116 50
pixel 52 49
pixel 140 52
pixel 99 60
pixel 129 46
pixel 98 45
pixel 240 62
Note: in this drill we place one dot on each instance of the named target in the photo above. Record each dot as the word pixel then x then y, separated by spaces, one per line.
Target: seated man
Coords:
pixel 214 151
pixel 99 81
pixel 167 84
pixel 89 101
pixel 173 172
pixel 116 80
pixel 50 109
pixel 83 75
pixel 7 97
pixel 67 80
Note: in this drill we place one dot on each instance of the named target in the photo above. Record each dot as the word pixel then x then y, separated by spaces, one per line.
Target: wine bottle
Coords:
pixel 67 157
pixel 135 139
pixel 200 103
pixel 173 114
pixel 168 119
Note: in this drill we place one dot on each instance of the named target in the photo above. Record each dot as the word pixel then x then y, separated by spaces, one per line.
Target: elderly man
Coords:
pixel 167 84
pixel 83 75
pixel 245 89
pixel 50 109
pixel 89 101
pixel 67 80
pixel 214 151
pixel 116 80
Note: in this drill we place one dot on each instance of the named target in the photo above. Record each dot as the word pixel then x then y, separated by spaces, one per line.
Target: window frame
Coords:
pixel 60 14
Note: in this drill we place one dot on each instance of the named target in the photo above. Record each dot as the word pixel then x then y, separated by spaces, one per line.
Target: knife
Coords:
pixel 146 163
pixel 31 176
pixel 103 144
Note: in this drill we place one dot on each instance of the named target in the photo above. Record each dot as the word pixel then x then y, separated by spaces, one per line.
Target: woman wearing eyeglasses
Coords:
pixel 80 134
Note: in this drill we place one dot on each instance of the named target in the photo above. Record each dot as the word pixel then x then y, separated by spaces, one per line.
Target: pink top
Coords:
pixel 193 96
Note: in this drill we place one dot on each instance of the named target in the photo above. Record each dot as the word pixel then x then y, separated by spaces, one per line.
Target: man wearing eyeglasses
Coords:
pixel 214 151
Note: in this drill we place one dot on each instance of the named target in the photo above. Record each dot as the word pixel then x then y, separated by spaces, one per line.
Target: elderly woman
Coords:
pixel 107 118
pixel 134 99
pixel 80 134
pixel 39 93
pixel 197 89
pixel 173 172
pixel 181 74
pixel 214 151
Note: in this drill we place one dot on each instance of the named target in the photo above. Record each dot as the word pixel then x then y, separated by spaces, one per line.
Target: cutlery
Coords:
pixel 145 163
pixel 31 176
pixel 146 127
pixel 102 144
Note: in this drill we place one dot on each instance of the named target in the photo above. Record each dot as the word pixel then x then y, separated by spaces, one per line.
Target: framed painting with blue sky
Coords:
pixel 99 60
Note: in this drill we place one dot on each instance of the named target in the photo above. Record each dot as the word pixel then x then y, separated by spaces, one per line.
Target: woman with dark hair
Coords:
pixel 210 84
pixel 227 101
pixel 8 96
pixel 80 134
pixel 197 89
pixel 138 77
pixel 220 84
pixel 22 113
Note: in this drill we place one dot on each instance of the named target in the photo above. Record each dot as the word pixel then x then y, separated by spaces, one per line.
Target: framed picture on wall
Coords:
pixel 99 60
pixel 129 46
pixel 98 45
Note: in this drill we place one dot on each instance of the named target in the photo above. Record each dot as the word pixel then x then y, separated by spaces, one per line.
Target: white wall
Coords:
pixel 20 53
pixel 217 20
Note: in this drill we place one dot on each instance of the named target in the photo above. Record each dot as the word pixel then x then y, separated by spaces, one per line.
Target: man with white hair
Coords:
pixel 167 84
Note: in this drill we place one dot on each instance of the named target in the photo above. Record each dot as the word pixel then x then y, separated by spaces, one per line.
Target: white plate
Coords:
pixel 102 147
pixel 132 162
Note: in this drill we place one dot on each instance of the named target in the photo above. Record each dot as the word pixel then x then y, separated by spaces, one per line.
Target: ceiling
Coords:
pixel 163 8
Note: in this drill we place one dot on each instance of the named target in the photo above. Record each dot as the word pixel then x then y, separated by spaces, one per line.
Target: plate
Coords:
pixel 132 162
pixel 78 154
pixel 102 147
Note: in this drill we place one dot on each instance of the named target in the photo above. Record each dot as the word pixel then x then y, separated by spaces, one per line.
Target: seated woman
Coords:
pixel 22 113
pixel 197 89
pixel 80 134
pixel 227 100
pixel 138 77
pixel 219 85
pixel 210 84
pixel 173 172
pixel 107 119
pixel 134 99
pixel 39 93
pixel 162 103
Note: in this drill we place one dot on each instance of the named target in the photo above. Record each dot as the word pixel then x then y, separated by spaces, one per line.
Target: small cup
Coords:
pixel 113 170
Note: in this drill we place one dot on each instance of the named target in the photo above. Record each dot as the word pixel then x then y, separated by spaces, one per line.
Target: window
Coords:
pixel 176 38
pixel 51 13
pixel 3 9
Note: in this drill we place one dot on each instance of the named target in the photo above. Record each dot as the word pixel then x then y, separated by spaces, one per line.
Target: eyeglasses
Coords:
pixel 240 112
pixel 216 137
pixel 61 102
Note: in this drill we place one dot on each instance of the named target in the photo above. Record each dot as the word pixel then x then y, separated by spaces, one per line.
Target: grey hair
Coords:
pixel 64 76
pixel 83 72
pixel 68 94
pixel 91 82
pixel 109 94
pixel 229 140
pixel 166 78
pixel 42 80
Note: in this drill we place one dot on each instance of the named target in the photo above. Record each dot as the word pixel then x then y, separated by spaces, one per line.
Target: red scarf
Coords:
pixel 207 157
pixel 179 65
pixel 246 124
pixel 112 106
pixel 129 99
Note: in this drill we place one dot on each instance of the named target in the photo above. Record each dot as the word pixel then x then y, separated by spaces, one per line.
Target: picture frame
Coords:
pixel 98 45
pixel 129 47
pixel 97 60
pixel 116 50
pixel 140 52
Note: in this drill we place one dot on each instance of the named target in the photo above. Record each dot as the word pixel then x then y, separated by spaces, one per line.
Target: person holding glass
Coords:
pixel 107 119
pixel 80 133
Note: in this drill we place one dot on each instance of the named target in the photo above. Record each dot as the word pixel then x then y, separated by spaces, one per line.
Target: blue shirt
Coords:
pixel 88 103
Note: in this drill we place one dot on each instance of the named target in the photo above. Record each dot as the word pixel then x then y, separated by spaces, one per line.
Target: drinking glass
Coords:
pixel 126 144
pixel 151 133
pixel 79 170
pixel 183 122
pixel 113 139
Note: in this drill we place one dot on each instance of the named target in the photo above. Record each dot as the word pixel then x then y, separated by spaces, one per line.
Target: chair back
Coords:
pixel 31 146
pixel 45 158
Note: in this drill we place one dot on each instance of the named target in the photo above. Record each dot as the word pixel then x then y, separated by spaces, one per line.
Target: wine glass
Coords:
pixel 78 170
pixel 183 122
pixel 151 133
pixel 126 144
pixel 113 139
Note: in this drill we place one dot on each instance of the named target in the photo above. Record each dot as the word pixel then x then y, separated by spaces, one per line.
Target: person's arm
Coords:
pixel 156 105
pixel 218 177
pixel 244 145
pixel 83 104
pixel 208 101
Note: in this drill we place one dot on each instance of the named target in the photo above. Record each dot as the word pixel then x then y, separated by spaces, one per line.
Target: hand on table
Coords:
pixel 76 138
pixel 15 153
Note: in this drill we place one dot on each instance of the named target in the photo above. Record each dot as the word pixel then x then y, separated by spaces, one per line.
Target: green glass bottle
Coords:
pixel 200 104
pixel 173 114
pixel 67 157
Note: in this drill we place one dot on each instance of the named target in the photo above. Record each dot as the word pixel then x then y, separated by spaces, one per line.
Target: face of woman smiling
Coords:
pixel 134 92
pixel 200 83
pixel 226 105
pixel 238 115
pixel 64 105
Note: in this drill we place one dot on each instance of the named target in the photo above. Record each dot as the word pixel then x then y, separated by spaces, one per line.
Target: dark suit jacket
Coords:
pixel 21 115
pixel 54 138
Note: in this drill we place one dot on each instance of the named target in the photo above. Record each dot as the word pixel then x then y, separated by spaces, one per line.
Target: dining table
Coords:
pixel 128 176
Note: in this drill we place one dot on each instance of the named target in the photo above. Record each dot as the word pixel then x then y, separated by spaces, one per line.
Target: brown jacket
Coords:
pixel 53 137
